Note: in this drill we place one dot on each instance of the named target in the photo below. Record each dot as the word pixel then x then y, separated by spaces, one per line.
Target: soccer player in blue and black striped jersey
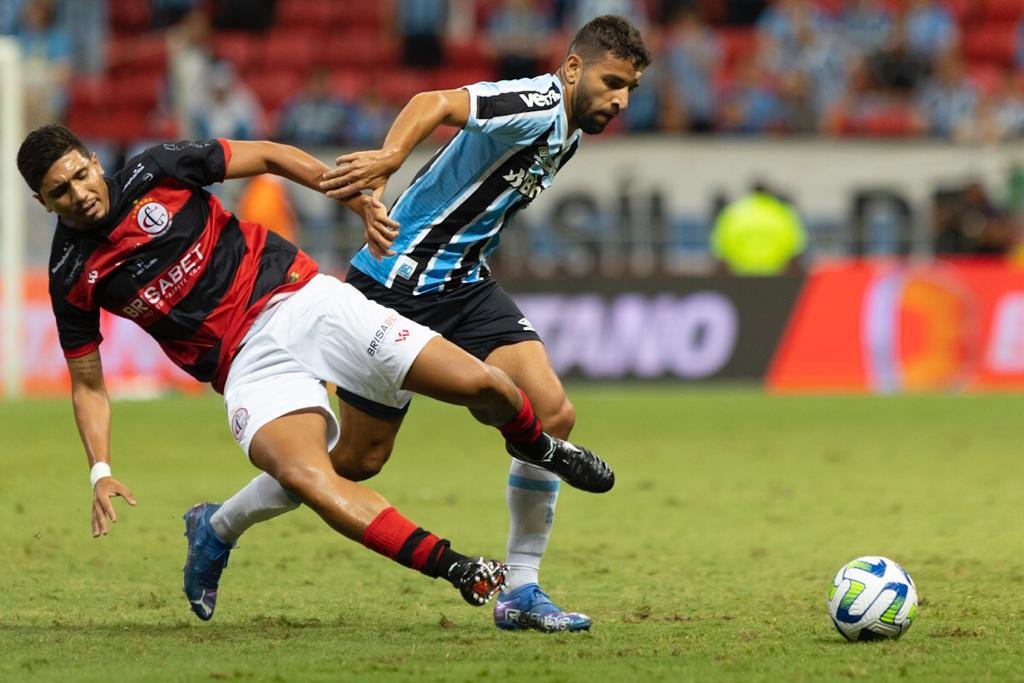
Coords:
pixel 515 136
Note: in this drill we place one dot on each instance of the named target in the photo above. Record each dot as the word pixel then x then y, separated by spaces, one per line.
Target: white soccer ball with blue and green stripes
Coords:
pixel 872 598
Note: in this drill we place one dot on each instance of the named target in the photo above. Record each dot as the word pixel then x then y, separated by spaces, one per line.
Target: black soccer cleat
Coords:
pixel 577 466
pixel 477 579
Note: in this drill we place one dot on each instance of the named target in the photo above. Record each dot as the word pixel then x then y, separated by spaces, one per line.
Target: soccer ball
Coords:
pixel 872 598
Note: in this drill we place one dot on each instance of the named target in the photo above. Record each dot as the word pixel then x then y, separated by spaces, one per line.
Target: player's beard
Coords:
pixel 588 121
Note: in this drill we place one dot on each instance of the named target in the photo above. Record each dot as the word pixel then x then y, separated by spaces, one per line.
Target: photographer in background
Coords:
pixel 967 222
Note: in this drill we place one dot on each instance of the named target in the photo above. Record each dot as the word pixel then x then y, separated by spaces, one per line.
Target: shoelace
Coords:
pixel 537 597
pixel 542 598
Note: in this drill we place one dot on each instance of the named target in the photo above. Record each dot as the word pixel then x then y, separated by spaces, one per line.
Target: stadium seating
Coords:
pixel 236 47
pixel 134 91
pixel 129 17
pixel 354 48
pixel 401 84
pixel 466 53
pixel 457 77
pixel 120 126
pixel 359 14
pixel 300 13
pixel 352 39
pixel 991 42
pixel 986 77
pixel 1007 11
pixel 146 52
pixel 350 83
pixel 294 49
pixel 963 10
pixel 273 86
pixel 888 123
pixel 737 44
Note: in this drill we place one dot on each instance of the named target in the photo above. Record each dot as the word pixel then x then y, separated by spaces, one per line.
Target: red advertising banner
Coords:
pixel 885 326
pixel 132 362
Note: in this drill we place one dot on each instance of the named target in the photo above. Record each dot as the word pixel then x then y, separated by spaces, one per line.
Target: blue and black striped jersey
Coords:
pixel 452 214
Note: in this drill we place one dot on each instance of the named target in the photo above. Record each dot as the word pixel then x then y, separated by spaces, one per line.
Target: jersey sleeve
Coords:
pixel 78 329
pixel 515 112
pixel 194 163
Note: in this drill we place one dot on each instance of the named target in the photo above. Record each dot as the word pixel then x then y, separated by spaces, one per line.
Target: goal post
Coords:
pixel 12 217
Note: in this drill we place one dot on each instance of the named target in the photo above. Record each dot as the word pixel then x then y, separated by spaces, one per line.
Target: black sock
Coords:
pixel 441 561
pixel 535 450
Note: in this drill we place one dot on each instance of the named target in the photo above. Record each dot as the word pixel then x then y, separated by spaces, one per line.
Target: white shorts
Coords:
pixel 326 331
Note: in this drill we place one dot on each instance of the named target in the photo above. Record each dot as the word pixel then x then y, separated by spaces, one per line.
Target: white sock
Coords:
pixel 259 500
pixel 531 495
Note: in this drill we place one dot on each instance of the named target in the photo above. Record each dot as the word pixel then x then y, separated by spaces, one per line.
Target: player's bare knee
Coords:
pixel 304 481
pixel 364 468
pixel 363 464
pixel 485 388
pixel 494 397
pixel 560 421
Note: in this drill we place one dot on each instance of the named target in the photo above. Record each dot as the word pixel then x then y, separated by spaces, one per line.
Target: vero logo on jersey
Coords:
pixel 536 100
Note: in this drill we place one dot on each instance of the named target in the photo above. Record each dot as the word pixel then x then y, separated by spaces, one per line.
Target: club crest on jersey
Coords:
pixel 239 421
pixel 153 217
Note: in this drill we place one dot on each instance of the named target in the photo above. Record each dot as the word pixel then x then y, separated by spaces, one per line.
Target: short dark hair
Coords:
pixel 41 149
pixel 611 33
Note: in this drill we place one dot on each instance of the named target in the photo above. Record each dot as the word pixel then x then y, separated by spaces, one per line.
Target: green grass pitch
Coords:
pixel 711 558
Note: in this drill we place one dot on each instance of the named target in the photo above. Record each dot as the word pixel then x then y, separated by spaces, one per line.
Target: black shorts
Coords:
pixel 477 318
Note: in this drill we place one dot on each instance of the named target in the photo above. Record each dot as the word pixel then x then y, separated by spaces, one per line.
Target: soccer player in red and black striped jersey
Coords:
pixel 237 306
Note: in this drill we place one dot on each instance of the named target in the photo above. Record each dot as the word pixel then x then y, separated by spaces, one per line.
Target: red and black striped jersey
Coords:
pixel 171 258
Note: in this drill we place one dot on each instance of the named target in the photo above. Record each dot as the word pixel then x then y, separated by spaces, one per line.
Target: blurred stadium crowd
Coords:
pixel 329 75
pixel 332 72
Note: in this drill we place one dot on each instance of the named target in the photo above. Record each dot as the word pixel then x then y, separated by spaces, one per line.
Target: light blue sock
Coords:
pixel 531 495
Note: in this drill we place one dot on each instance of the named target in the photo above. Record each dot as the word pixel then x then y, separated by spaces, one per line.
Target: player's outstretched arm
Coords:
pixel 254 157
pixel 250 158
pixel 419 118
pixel 91 406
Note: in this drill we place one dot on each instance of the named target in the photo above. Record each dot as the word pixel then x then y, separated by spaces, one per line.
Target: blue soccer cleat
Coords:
pixel 207 557
pixel 530 607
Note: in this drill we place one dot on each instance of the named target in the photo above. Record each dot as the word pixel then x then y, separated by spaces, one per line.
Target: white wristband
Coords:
pixel 98 471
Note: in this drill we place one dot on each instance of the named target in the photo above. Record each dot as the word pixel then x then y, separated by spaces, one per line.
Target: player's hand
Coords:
pixel 379 229
pixel 359 171
pixel 102 507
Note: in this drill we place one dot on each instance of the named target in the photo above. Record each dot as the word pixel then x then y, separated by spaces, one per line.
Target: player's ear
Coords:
pixel 572 68
pixel 39 198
